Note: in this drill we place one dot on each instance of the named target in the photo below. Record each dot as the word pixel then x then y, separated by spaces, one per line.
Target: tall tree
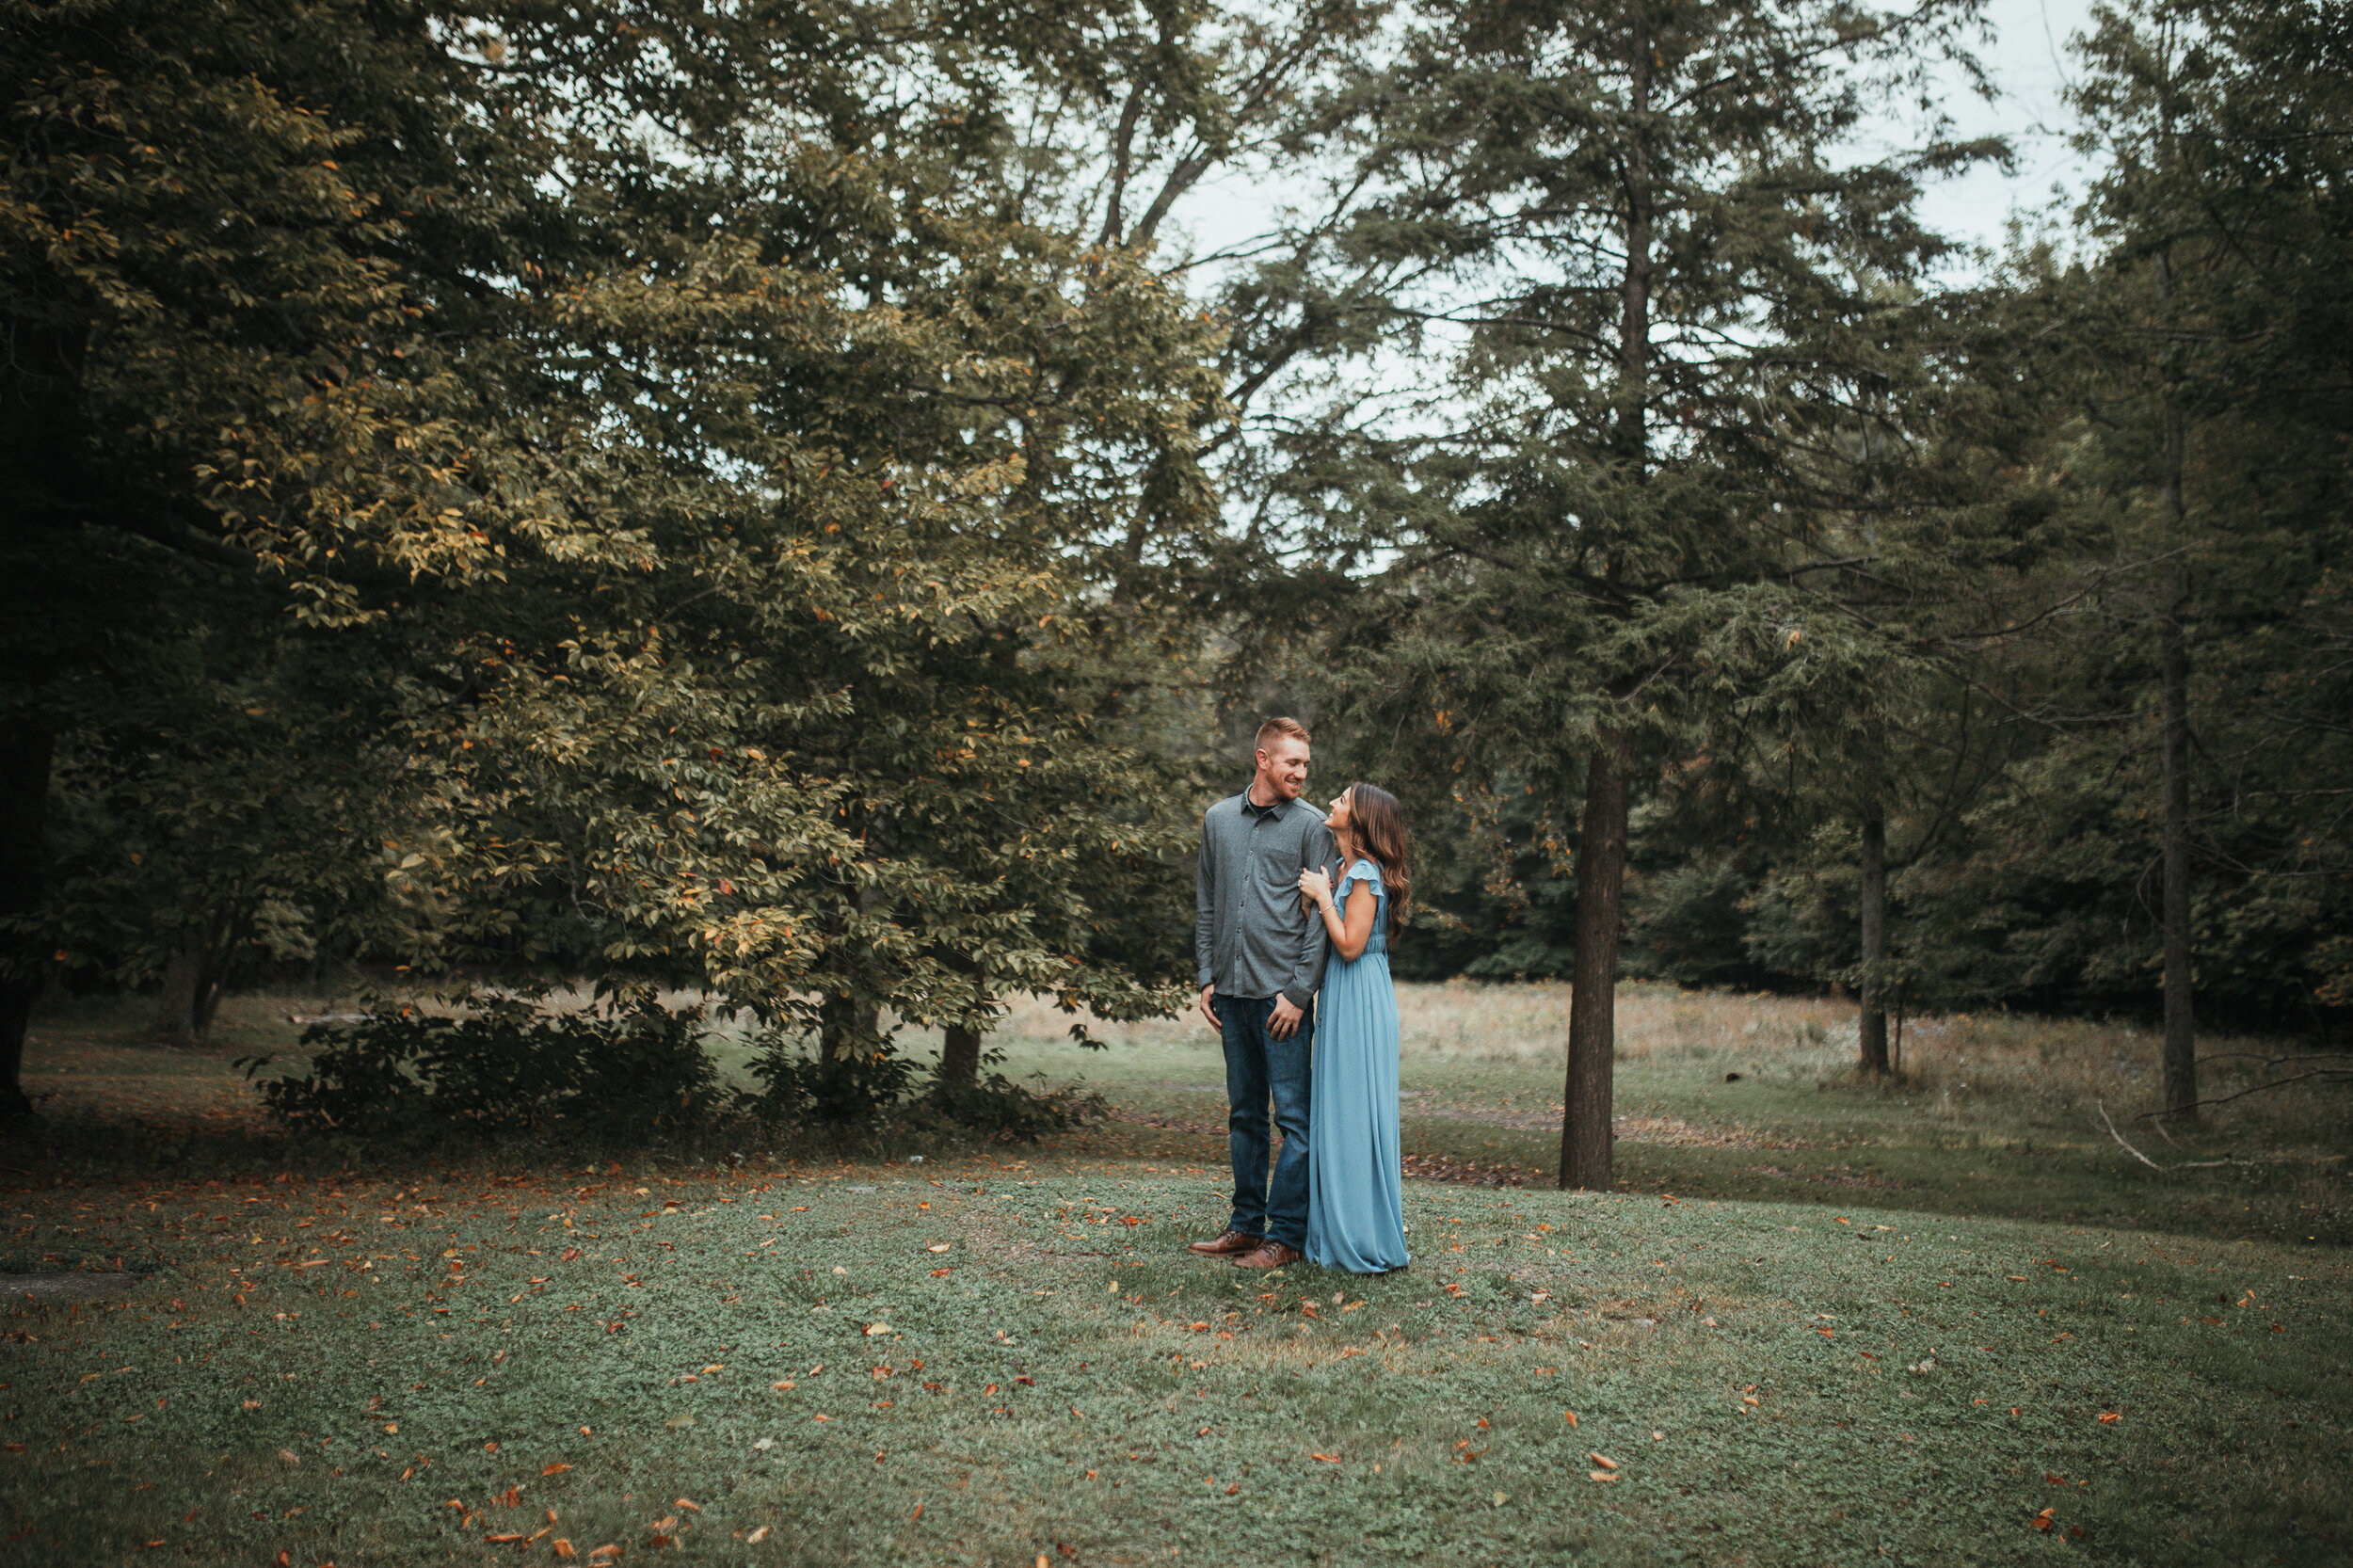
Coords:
pixel 739 511
pixel 2219 384
pixel 1634 230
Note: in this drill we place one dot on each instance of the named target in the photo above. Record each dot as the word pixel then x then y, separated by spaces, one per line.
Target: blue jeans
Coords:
pixel 1258 1068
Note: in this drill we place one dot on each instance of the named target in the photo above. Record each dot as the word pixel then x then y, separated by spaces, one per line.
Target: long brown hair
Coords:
pixel 1377 826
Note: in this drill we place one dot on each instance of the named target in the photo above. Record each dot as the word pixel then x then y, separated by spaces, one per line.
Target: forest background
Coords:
pixel 764 500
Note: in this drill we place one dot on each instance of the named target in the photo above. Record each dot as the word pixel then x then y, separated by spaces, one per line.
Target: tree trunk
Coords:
pixel 1586 1133
pixel 25 750
pixel 2181 1031
pixel 846 1027
pixel 960 1051
pixel 1871 1024
pixel 184 985
pixel 1585 1130
pixel 2181 1028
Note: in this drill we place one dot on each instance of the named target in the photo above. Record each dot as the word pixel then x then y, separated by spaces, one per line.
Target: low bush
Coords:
pixel 505 1070
pixel 883 1087
pixel 508 1070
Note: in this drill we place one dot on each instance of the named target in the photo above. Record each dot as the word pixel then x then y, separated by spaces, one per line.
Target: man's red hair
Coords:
pixel 1272 728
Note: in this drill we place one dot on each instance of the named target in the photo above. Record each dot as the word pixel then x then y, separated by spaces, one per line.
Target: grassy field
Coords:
pixel 1949 1322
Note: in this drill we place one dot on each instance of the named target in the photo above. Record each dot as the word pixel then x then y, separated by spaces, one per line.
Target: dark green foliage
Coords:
pixel 828 1092
pixel 503 1071
pixel 882 1089
pixel 1491 899
pixel 1693 925
pixel 999 1110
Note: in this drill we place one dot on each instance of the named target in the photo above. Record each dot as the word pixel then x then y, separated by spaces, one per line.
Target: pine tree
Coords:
pixel 1632 230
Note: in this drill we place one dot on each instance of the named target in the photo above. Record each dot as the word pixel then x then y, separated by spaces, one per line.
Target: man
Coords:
pixel 1260 956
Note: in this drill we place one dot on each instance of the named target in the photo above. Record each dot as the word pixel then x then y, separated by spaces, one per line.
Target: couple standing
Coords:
pixel 1316 1036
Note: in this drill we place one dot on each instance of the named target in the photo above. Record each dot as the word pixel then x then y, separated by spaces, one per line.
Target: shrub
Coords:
pixel 507 1069
pixel 883 1087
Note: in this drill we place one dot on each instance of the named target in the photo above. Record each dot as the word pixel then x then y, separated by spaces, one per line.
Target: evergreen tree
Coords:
pixel 1633 231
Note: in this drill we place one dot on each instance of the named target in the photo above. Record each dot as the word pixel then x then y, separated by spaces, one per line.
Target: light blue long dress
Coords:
pixel 1355 1207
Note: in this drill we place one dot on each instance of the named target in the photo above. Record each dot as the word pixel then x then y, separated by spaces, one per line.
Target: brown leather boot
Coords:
pixel 1227 1243
pixel 1269 1255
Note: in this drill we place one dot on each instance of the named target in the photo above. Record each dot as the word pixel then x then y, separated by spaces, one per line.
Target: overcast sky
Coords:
pixel 2027 59
pixel 2029 62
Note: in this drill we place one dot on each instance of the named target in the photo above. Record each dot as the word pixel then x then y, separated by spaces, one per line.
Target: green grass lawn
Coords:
pixel 427 1363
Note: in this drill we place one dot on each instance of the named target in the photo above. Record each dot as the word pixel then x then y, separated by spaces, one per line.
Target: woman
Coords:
pixel 1355 1211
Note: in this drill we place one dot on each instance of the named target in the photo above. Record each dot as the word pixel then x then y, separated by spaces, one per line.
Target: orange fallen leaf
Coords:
pixel 2109 1419
pixel 516 1535
pixel 2042 1521
pixel 1603 1460
pixel 554 1469
pixel 758 1536
pixel 1571 1415
pixel 1601 1474
pixel 1328 1459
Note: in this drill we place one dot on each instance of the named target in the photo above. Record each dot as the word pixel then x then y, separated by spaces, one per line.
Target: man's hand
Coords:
pixel 1208 1010
pixel 1284 1021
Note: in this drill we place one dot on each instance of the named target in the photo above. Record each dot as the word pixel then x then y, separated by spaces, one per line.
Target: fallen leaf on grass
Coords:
pixel 554 1469
pixel 757 1536
pixel 2042 1521
pixel 1602 1475
pixel 1603 1460
pixel 1572 1416
pixel 874 1329
pixel 1328 1459
pixel 941 1246
pixel 2109 1419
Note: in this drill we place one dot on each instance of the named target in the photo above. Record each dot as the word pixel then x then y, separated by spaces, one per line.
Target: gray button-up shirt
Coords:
pixel 1252 933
